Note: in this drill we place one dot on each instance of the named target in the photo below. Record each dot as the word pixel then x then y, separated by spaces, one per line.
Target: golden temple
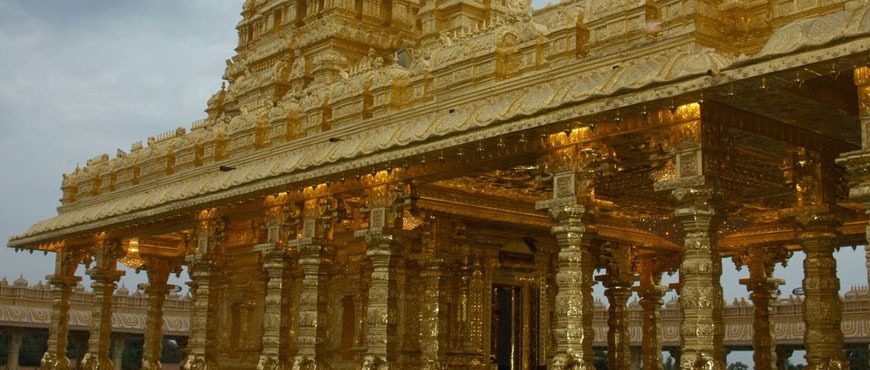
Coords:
pixel 432 184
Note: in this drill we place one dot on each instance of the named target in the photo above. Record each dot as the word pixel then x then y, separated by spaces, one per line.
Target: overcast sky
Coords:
pixel 82 78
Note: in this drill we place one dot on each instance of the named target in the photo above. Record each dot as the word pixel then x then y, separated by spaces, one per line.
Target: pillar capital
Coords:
pixel 278 215
pixel 208 234
pixel 619 261
pixel 817 223
pixel 106 252
pixel 761 261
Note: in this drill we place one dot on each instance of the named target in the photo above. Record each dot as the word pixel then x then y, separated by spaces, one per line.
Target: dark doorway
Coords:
pixel 506 326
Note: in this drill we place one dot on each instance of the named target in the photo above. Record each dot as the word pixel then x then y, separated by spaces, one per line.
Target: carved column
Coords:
pixel 651 291
pixel 274 262
pixel 618 282
pixel 202 263
pixel 274 255
pixel 433 341
pixel 823 310
pixel 381 338
pixel 701 301
pixel 383 252
pixel 762 287
pixel 312 261
pixel 104 276
pixel 692 182
pixel 118 343
pixel 572 210
pixel 62 283
pixel 158 274
pixel 857 163
pixel 16 336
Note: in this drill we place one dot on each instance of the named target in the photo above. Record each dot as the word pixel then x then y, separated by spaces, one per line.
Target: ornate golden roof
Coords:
pixel 181 171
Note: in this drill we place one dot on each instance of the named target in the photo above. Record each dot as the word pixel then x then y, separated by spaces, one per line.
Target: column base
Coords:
pixel 269 362
pixel 371 362
pixel 832 364
pixel 570 362
pixel 699 361
pixel 92 361
pixel 50 361
pixel 198 362
pixel 151 365
pixel 306 363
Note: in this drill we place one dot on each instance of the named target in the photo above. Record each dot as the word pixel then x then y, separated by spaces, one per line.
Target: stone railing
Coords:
pixel 786 315
pixel 24 305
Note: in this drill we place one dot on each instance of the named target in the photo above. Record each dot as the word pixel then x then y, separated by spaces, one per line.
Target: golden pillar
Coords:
pixel 381 342
pixel 62 283
pixel 274 254
pixel 618 282
pixel 433 312
pixel 313 261
pixel 650 292
pixel 201 263
pixel 383 252
pixel 815 183
pixel 823 310
pixel 572 210
pixel 104 276
pixel 762 287
pixel 701 302
pixel 695 146
pixel 433 316
pixel 857 164
pixel 158 275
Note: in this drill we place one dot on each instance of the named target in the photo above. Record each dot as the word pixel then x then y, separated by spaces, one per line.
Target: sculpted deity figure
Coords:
pixel 367 60
pixel 445 39
pixel 282 69
pixel 298 68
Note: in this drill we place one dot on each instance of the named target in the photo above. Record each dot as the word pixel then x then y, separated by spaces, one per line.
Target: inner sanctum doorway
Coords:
pixel 515 322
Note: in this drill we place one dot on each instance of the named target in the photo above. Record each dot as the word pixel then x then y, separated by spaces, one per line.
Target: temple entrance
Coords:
pixel 514 328
pixel 506 326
